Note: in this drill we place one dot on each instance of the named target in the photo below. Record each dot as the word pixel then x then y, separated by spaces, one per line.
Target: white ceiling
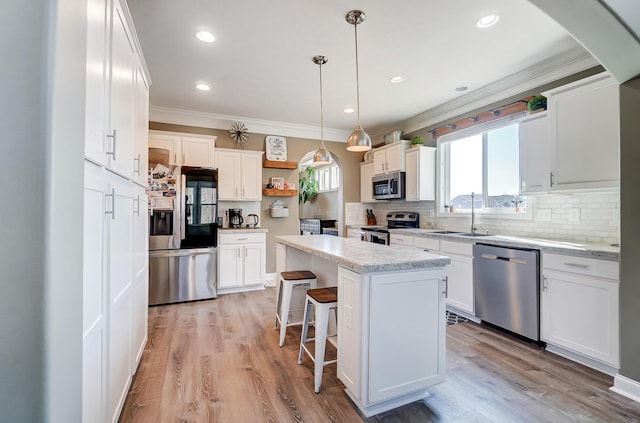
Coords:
pixel 260 66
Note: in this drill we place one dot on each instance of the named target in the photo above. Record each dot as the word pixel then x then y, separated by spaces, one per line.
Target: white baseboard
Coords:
pixel 270 279
pixel 626 387
pixel 586 361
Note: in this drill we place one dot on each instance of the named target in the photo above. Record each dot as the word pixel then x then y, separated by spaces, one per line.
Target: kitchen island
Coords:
pixel 391 315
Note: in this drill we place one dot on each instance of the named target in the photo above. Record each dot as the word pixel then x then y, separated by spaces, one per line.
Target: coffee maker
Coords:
pixel 235 218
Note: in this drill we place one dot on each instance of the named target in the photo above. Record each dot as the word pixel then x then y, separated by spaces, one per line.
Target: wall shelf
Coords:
pixel 272 164
pixel 274 192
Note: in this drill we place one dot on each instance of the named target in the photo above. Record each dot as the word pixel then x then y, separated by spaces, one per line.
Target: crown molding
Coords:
pixel 545 72
pixel 216 121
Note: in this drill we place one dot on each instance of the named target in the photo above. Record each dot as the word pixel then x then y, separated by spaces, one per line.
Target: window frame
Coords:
pixel 333 176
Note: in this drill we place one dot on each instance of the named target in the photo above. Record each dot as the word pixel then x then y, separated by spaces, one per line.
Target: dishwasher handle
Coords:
pixel 509 259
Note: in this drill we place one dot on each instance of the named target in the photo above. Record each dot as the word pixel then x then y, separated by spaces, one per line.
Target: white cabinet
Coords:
pixel 579 310
pixel 141 153
pixel 353 233
pixel 420 166
pixel 376 350
pixel 366 185
pixel 241 260
pixel 534 133
pixel 459 274
pixel 389 158
pixel 400 239
pixel 585 133
pixel 239 175
pixel 185 149
pixel 140 274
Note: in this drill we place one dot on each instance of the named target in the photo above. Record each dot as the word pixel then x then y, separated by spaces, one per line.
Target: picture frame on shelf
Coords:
pixel 278 183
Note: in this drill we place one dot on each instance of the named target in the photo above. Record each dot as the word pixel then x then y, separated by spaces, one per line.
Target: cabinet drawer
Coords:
pixel 396 239
pixel 581 265
pixel 462 248
pixel 240 238
pixel 431 244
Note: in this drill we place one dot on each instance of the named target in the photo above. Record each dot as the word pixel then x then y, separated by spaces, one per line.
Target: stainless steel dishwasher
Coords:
pixel 507 288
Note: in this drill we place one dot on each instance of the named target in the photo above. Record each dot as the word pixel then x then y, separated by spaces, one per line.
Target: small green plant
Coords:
pixel 308 186
pixel 417 140
pixel 537 102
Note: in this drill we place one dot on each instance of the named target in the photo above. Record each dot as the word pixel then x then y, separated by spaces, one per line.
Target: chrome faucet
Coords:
pixel 473 214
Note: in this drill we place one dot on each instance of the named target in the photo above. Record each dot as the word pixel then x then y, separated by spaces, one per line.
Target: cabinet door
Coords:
pixel 535 157
pixel 460 282
pixel 395 158
pixel 379 162
pixel 397 239
pixel 197 152
pixel 588 322
pixel 168 142
pixel 230 265
pixel 366 187
pixel 121 133
pixel 251 188
pixel 228 164
pixel 254 264
pixel 96 81
pixel 413 175
pixel 586 122
pixel 141 275
pixel 141 154
pixel 350 331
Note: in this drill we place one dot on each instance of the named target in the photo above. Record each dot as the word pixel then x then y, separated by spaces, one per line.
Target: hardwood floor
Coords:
pixel 219 361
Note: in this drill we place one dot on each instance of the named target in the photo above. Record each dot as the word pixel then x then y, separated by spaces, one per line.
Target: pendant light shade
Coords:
pixel 359 140
pixel 322 156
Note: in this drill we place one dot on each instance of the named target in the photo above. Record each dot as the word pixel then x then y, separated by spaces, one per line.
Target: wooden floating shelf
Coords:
pixel 273 164
pixel 274 192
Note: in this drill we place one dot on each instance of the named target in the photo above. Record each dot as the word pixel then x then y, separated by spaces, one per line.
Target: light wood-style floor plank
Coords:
pixel 219 361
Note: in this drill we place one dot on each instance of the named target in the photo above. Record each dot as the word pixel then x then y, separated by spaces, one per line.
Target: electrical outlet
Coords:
pixel 574 215
pixel 543 215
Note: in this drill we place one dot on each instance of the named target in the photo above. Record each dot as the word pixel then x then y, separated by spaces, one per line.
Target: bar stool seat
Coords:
pixel 288 280
pixel 322 300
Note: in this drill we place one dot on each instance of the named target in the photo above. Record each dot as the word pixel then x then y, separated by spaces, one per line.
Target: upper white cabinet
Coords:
pixel 141 150
pixel 579 310
pixel 420 182
pixel 239 174
pixel 534 154
pixel 366 185
pixel 389 158
pixel 585 126
pixel 185 149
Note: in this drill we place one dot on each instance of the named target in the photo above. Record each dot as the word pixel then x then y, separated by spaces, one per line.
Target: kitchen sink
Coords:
pixel 444 232
pixel 470 234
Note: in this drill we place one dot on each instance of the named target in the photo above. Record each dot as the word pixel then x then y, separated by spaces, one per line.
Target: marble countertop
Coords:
pixel 574 248
pixel 363 257
pixel 241 230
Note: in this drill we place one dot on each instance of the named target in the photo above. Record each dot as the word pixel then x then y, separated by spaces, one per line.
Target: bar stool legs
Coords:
pixel 287 282
pixel 322 300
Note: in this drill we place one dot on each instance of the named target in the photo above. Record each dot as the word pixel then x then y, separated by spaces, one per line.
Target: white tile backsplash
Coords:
pixel 599 217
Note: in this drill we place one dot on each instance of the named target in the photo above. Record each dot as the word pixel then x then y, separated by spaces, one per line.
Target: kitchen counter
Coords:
pixel 363 257
pixel 574 248
pixel 241 230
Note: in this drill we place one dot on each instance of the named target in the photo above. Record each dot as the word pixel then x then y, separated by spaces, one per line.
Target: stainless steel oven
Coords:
pixel 389 186
pixel 395 220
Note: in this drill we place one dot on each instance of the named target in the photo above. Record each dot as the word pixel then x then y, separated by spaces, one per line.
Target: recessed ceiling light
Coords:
pixel 461 88
pixel 487 21
pixel 203 87
pixel 349 110
pixel 205 36
pixel 396 79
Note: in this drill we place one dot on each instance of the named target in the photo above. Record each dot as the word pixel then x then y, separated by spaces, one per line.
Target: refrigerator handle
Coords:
pixel 183 205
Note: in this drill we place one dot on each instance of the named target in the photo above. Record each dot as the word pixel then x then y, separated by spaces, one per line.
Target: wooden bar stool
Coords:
pixel 322 300
pixel 287 281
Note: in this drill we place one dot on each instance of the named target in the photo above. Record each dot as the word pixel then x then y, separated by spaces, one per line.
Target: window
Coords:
pixel 328 178
pixel 486 164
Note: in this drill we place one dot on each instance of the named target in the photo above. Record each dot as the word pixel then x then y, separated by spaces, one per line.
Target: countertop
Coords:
pixel 574 248
pixel 363 257
pixel 241 230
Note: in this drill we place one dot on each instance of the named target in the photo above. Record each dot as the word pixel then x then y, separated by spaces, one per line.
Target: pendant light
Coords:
pixel 322 156
pixel 359 140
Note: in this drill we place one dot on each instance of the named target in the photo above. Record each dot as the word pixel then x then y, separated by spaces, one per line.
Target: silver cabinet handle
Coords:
pixel 551 179
pixel 137 209
pixel 175 157
pixel 544 283
pixel 114 137
pixel 242 239
pixel 446 286
pixel 184 158
pixel 112 212
pixel 578 265
pixel 137 159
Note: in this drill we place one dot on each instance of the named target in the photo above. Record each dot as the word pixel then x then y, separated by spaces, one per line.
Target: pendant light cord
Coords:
pixel 321 112
pixel 355 29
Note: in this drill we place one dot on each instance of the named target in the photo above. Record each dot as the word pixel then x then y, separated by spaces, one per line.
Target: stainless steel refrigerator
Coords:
pixel 183 241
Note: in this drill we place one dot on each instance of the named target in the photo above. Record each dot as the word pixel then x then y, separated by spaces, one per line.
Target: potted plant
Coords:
pixel 537 103
pixel 417 141
pixel 308 186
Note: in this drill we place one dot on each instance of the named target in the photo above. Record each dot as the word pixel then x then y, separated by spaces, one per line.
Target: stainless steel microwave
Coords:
pixel 389 186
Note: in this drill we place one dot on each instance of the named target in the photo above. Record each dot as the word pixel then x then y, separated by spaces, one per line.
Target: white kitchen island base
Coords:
pixel 391 316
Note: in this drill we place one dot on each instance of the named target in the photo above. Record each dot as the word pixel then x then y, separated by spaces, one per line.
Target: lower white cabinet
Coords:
pixel 399 239
pixel 459 274
pixel 140 274
pixel 353 233
pixel 241 260
pixel 580 306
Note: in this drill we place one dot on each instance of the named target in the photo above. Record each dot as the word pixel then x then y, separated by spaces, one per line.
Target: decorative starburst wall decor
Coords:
pixel 239 134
